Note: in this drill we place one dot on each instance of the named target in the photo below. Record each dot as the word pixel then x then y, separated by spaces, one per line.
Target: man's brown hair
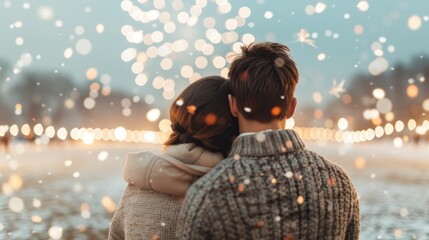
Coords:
pixel 201 115
pixel 263 80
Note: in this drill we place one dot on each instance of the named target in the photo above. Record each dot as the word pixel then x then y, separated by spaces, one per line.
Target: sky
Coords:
pixel 331 41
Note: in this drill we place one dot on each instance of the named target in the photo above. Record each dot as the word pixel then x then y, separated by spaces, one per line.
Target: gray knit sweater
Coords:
pixel 271 187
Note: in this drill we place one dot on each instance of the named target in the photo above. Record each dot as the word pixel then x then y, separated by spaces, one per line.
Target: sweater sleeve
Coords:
pixel 353 227
pixel 116 230
pixel 195 216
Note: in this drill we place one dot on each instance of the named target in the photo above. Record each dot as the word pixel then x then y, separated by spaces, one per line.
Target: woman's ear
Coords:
pixel 233 105
pixel 291 108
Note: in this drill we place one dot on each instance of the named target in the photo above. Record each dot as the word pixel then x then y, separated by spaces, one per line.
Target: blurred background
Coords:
pixel 82 83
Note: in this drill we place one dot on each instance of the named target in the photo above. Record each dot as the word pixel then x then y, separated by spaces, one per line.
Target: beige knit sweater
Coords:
pixel 150 205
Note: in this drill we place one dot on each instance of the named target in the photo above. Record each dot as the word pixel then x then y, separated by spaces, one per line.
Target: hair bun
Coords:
pixel 177 128
pixel 186 138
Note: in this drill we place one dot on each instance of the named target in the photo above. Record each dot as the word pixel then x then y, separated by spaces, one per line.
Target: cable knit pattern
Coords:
pixel 271 187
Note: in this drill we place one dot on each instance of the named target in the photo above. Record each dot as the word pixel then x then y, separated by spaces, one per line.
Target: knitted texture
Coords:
pixel 149 207
pixel 145 214
pixel 271 187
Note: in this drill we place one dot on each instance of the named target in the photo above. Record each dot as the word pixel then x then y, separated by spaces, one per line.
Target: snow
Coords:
pixel 391 185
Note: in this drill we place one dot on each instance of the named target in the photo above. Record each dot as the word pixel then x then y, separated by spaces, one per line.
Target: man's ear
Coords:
pixel 291 108
pixel 233 105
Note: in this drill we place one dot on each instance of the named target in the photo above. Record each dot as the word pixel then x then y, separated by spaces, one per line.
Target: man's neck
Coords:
pixel 246 125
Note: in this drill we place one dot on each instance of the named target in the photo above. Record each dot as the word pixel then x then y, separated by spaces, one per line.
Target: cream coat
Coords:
pixel 150 204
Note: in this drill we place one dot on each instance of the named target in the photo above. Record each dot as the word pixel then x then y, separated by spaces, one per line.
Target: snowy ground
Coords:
pixel 392 184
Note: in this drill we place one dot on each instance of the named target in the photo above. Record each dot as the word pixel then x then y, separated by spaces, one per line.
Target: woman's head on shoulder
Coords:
pixel 201 115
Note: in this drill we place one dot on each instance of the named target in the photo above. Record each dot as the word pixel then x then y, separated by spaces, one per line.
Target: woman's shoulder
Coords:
pixel 161 172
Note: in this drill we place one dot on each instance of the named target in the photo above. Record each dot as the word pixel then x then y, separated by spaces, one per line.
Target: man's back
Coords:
pixel 271 188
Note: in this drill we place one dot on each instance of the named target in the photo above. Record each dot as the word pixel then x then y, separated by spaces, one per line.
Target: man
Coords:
pixel 270 186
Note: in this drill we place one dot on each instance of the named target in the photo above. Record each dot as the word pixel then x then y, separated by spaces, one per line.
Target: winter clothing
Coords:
pixel 271 187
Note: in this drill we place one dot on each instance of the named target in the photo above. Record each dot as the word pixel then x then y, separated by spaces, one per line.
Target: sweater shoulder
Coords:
pixel 323 161
pixel 215 175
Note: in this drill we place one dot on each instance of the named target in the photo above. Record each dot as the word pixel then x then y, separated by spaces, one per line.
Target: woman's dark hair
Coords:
pixel 201 115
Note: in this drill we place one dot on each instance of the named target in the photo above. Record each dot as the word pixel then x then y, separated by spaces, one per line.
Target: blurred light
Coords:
pixel 201 62
pixel 36 219
pixel 45 13
pixel 89 103
pixel 244 12
pixel 290 123
pixel 219 62
pixel 384 105
pixel 62 133
pixel 88 138
pixel 165 125
pixel 149 136
pixel 137 67
pixel 79 30
pixel 153 114
pixel 83 46
pixel 102 156
pixel 74 134
pixel 169 27
pixel 414 22
pixel 321 56
pixel 128 54
pixel 69 103
pixel 16 204
pixel 25 129
pixel 68 163
pixel 420 130
pixel 363 6
pixel 378 66
pixel 55 232
pixel 14 130
pixel 15 182
pixel 399 126
pixel 108 204
pixel 426 105
pixel 426 125
pixel 397 142
pixel 378 93
pixel 379 131
pixel 370 134
pixel 317 97
pixel 166 64
pixel 268 15
pixel 358 29
pixel 388 129
pixel 412 91
pixel 91 73
pixel 141 79
pixel 360 163
pixel 120 133
pixel 320 7
pixel 99 28
pixel 68 53
pixel 3 130
pixel 149 99
pixel 231 24
pixel 343 124
pixel 389 116
pixel 157 36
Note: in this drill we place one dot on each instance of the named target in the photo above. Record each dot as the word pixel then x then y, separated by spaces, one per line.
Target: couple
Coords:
pixel 210 183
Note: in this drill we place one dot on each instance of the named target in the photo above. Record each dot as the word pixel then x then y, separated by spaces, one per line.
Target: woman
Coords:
pixel 203 132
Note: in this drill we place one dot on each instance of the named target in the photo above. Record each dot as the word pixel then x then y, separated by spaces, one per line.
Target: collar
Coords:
pixel 265 143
